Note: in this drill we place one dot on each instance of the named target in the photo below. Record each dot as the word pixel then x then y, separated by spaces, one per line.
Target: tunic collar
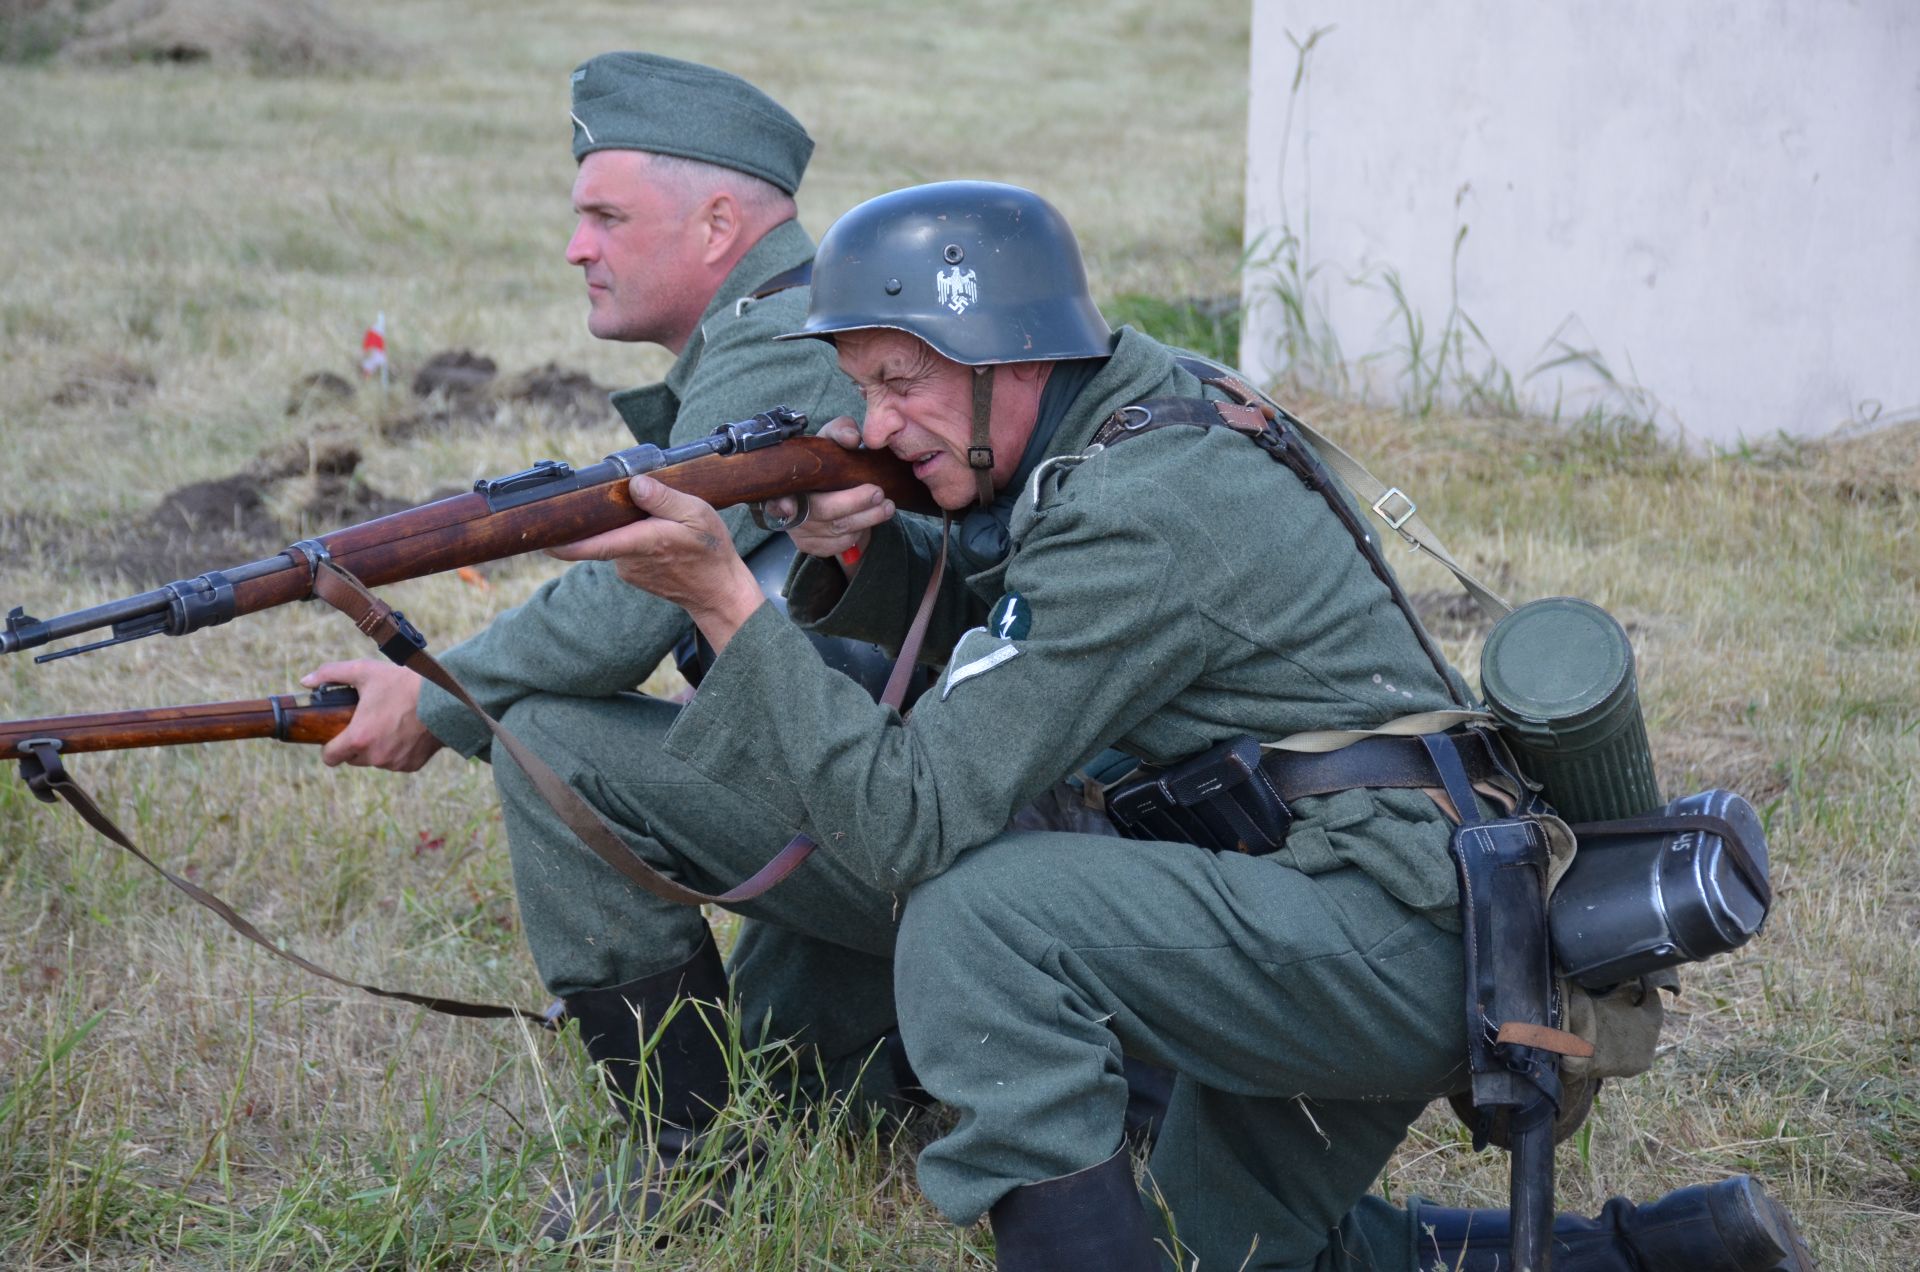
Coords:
pixel 1088 394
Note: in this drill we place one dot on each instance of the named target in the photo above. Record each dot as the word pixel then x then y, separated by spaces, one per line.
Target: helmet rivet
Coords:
pixel 955 254
pixel 893 287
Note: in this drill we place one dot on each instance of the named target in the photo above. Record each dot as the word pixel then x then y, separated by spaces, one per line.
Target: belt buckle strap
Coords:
pixel 1395 522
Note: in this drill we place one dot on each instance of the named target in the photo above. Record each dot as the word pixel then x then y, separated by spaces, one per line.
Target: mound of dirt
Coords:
pixel 456 374
pixel 338 499
pixel 322 456
pixel 210 524
pixel 461 388
pixel 571 394
pixel 109 381
pixel 1879 467
pixel 270 37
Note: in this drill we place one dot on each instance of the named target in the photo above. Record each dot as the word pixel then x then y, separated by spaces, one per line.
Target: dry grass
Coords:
pixel 194 242
pixel 274 37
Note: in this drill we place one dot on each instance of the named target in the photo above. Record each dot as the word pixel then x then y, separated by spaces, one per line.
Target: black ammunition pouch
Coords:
pixel 1220 799
pixel 1235 797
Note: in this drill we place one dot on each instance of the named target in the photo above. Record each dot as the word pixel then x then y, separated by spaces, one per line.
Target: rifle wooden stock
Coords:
pixel 282 717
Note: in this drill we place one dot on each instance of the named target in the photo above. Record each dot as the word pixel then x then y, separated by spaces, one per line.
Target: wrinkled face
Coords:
pixel 641 248
pixel 920 407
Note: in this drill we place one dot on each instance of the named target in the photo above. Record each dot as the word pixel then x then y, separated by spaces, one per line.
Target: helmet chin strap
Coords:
pixel 980 451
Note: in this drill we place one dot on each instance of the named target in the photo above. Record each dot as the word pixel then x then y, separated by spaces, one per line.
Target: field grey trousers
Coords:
pixel 1311 1017
pixel 813 962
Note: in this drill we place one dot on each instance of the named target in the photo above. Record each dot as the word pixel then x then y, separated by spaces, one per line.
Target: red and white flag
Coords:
pixel 373 347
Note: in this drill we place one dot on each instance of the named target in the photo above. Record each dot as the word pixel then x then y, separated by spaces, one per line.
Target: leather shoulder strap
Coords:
pixel 1268 427
pixel 1391 504
pixel 799 276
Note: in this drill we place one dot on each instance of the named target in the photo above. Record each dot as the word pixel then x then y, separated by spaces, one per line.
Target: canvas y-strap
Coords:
pixel 1391 504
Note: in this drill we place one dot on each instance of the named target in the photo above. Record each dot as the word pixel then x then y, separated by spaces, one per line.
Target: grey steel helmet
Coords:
pixel 983 272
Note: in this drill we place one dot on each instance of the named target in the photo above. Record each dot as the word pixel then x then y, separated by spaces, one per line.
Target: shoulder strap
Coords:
pixel 1266 428
pixel 799 276
pixel 1390 503
pixel 48 778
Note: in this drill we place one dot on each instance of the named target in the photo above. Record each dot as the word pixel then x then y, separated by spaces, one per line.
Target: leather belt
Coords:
pixel 1374 762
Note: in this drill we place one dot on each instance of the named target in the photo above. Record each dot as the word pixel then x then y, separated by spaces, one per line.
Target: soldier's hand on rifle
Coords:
pixel 385 732
pixel 681 552
pixel 838 521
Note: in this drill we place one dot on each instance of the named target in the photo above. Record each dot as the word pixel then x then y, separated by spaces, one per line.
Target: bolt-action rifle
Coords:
pixel 552 503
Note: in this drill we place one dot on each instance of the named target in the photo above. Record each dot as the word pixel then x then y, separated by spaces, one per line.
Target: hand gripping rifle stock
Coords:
pixel 282 717
pixel 38 746
pixel 552 503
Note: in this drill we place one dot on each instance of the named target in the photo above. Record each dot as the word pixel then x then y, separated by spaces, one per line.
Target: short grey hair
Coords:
pixel 695 179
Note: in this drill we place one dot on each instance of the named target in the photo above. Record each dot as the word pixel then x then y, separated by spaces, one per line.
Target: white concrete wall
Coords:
pixel 1721 198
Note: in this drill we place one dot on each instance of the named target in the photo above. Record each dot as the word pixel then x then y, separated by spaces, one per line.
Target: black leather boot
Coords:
pixel 1089 1221
pixel 686 1080
pixel 1731 1226
pixel 1149 1091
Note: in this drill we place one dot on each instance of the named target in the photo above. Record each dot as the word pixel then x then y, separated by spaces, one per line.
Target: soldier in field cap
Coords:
pixel 686 238
pixel 663 106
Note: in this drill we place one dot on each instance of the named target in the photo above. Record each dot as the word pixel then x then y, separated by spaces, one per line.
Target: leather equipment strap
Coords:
pixel 400 642
pixel 980 445
pixel 896 688
pixel 48 778
pixel 1688 824
pixel 1391 504
pixel 800 275
pixel 1271 430
pixel 1377 763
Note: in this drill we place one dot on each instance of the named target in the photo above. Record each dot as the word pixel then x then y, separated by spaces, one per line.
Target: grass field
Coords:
pixel 183 243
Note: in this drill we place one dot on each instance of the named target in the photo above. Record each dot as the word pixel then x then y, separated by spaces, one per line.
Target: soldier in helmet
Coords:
pixel 1129 568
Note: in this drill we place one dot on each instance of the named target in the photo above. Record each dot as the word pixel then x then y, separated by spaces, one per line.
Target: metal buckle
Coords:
pixel 1126 414
pixel 40 766
pixel 316 554
pixel 1394 523
pixel 405 642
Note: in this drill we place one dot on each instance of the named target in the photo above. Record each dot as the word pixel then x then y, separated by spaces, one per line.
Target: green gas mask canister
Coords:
pixel 1558 674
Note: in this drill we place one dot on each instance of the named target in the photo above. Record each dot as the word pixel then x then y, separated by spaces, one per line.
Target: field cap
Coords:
pixel 642 101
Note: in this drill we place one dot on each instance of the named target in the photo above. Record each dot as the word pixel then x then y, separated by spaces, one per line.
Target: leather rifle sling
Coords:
pixel 48 777
pixel 399 642
pixel 895 691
